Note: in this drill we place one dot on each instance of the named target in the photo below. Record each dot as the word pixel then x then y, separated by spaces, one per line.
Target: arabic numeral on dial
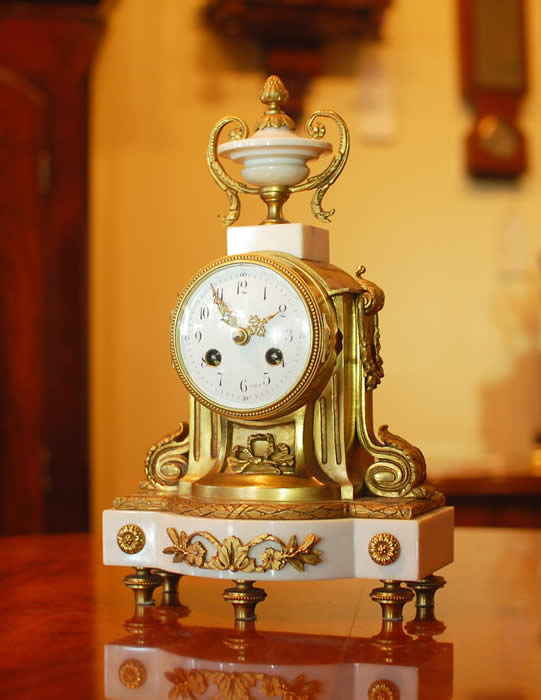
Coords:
pixel 243 386
pixel 289 336
pixel 221 376
pixel 264 294
pixel 241 286
pixel 204 313
pixel 282 309
pixel 204 363
pixel 220 292
pixel 198 335
pixel 266 378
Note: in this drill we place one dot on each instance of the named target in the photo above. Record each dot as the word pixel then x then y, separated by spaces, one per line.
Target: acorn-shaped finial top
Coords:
pixel 274 94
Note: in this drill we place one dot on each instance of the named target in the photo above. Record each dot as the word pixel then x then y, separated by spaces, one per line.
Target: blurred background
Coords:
pixel 107 208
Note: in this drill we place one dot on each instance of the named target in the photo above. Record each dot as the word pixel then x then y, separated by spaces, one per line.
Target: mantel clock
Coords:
pixel 279 474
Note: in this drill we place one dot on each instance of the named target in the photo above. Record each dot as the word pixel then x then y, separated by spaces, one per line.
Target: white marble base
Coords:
pixel 301 240
pixel 426 544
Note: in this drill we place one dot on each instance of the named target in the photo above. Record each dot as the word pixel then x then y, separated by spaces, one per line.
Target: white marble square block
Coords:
pixel 301 240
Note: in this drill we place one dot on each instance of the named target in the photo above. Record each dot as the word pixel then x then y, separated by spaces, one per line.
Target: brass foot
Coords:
pixel 392 597
pixel 143 583
pixel 244 597
pixel 425 624
pixel 425 590
pixel 170 587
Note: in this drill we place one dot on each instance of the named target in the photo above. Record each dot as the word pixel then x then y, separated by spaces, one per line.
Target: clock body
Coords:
pixel 266 344
pixel 280 353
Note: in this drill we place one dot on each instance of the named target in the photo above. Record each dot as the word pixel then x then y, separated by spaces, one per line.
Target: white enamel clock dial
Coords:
pixel 243 336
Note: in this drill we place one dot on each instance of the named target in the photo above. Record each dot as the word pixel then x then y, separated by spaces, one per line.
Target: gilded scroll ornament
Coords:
pixel 400 468
pixel 167 461
pixel 328 177
pixel 373 297
pixel 131 539
pixel 384 548
pixel 232 685
pixel 233 555
pixel 132 674
pixel 231 187
pixel 273 459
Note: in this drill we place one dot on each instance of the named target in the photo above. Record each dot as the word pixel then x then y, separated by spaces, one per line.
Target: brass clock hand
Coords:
pixel 241 336
pixel 227 315
pixel 256 325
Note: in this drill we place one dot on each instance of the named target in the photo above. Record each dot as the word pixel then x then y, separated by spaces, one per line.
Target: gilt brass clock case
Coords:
pixel 324 340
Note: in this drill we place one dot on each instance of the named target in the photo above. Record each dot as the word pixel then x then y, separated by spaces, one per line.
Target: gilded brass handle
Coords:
pixel 230 186
pixel 325 179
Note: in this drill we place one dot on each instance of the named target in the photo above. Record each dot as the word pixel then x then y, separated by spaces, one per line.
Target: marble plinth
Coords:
pixel 425 545
pixel 301 240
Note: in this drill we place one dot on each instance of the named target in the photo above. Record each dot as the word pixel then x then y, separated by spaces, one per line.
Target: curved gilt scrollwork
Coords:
pixel 325 179
pixel 230 186
pixel 373 297
pixel 167 461
pixel 399 468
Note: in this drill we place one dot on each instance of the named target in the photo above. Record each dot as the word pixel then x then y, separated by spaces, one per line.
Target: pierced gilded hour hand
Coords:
pixel 227 315
pixel 256 325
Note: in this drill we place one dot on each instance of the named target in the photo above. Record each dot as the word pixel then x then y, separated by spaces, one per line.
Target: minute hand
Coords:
pixel 256 325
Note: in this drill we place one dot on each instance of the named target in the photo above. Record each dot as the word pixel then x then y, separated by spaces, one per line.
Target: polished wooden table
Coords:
pixel 68 630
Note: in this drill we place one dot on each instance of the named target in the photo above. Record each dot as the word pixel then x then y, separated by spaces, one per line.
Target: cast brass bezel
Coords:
pixel 320 363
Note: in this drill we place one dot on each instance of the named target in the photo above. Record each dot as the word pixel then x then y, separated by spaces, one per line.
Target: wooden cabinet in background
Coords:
pixel 512 500
pixel 45 57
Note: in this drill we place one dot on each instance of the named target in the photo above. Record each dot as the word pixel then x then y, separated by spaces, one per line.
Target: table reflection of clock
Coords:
pixel 254 336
